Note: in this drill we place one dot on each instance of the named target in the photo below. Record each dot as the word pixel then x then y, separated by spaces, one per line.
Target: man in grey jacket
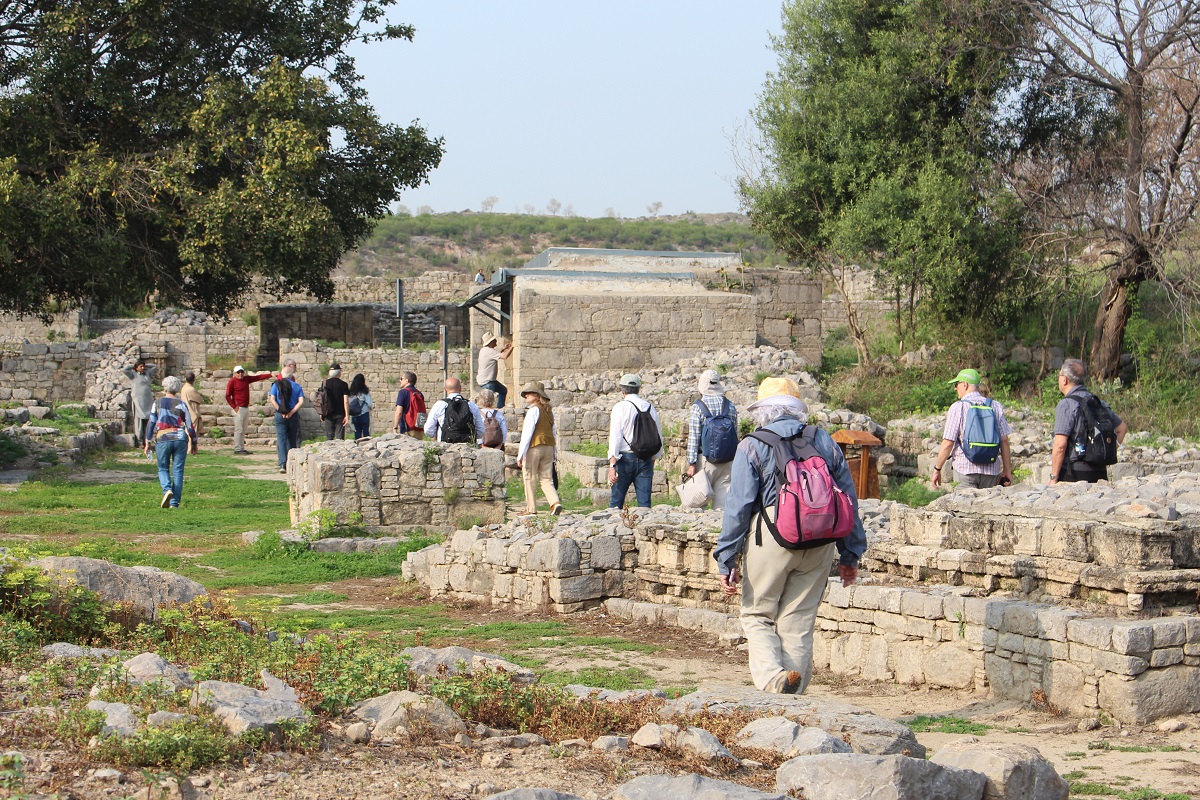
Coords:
pixel 141 375
pixel 781 588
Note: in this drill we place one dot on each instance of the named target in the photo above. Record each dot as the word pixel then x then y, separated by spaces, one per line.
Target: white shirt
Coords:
pixel 437 416
pixel 532 415
pixel 620 426
pixel 499 415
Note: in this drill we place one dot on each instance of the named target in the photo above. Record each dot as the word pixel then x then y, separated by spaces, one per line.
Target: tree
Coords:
pixel 1135 187
pixel 553 207
pixel 488 204
pixel 185 146
pixel 654 208
pixel 868 154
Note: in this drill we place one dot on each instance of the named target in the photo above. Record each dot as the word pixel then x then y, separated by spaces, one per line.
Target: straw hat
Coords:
pixel 779 392
pixel 535 387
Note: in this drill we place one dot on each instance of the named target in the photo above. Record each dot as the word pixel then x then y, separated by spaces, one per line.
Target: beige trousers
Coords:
pixel 539 461
pixel 239 427
pixel 781 590
pixel 718 476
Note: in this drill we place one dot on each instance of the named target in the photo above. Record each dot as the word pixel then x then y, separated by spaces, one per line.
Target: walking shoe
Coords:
pixel 786 682
pixel 556 509
pixel 166 501
pixel 241 452
pixel 283 469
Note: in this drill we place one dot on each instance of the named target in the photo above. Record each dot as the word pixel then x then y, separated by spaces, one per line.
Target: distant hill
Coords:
pixel 466 241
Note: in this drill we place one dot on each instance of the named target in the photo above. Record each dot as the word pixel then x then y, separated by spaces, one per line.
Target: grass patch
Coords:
pixel 317 598
pixel 11 449
pixel 1104 744
pixel 926 723
pixel 913 492
pixel 601 678
pixel 591 449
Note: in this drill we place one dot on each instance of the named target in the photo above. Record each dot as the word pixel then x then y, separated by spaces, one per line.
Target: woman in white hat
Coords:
pixel 537 453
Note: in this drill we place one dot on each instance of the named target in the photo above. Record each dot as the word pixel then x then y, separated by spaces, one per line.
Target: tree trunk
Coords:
pixel 838 273
pixel 1109 330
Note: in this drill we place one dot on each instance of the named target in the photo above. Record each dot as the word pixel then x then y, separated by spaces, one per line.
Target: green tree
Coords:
pixel 874 149
pixel 182 147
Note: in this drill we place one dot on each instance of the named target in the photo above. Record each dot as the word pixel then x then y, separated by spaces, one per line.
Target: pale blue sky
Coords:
pixel 604 104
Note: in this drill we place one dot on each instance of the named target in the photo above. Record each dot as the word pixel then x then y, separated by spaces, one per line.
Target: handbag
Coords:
pixel 696 491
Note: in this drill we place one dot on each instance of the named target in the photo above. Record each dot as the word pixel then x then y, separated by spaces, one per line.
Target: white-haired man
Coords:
pixel 781 587
pixel 712 435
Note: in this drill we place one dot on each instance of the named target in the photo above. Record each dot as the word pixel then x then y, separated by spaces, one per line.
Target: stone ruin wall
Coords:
pixel 395 484
pixel 655 566
pixel 55 372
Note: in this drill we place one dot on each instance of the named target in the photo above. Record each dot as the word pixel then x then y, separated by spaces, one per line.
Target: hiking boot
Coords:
pixel 556 509
pixel 786 682
pixel 166 501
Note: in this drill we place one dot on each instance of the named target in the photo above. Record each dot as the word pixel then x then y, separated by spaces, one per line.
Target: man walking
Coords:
pixel 489 364
pixel 1086 431
pixel 335 407
pixel 712 433
pixel 634 442
pixel 411 414
pixel 237 395
pixel 454 418
pixel 141 375
pixel 782 586
pixel 976 433
pixel 287 398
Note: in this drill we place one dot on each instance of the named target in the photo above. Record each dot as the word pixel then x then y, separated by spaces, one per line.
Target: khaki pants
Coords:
pixel 239 427
pixel 781 590
pixel 539 461
pixel 718 476
pixel 416 433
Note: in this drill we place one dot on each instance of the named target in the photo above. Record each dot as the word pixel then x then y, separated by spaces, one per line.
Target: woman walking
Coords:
pixel 171 430
pixel 536 455
pixel 495 426
pixel 360 404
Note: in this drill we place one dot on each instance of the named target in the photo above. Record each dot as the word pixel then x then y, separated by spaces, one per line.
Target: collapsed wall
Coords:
pixel 395 484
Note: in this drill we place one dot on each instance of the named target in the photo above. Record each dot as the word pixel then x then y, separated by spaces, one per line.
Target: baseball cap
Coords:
pixel 970 376
pixel 631 380
pixel 239 368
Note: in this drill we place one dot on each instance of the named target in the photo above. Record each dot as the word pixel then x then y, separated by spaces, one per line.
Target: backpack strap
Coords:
pixel 704 410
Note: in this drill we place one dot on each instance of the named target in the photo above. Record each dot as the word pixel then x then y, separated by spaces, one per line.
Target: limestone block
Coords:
pixel 853 775
pixel 1095 633
pixel 1064 685
pixel 578 589
pixel 1166 656
pixel 606 552
pixel 1130 638
pixel 1169 633
pixel 908 658
pixel 1013 771
pixel 950 665
pixel 1153 695
pixel 557 556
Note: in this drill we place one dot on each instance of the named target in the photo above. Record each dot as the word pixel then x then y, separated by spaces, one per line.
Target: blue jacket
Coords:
pixel 753 479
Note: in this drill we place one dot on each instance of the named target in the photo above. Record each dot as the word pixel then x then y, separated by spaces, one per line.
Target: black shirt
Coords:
pixel 337 390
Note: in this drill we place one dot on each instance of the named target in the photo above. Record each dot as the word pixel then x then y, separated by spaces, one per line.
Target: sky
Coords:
pixel 601 105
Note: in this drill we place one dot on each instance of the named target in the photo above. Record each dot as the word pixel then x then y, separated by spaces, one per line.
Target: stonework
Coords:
pixel 395 483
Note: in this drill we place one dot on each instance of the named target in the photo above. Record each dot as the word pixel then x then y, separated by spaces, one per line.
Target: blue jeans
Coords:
pixel 636 471
pixel 362 425
pixel 287 436
pixel 171 455
pixel 501 392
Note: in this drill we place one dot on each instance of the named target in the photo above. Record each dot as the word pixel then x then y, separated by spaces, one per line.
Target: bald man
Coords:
pixel 454 418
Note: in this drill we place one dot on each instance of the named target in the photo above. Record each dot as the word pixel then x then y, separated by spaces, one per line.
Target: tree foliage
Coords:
pixel 876 149
pixel 182 147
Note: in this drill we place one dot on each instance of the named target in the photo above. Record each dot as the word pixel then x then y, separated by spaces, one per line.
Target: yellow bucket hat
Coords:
pixel 779 391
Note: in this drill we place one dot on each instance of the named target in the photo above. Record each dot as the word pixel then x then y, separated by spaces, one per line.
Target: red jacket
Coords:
pixel 237 391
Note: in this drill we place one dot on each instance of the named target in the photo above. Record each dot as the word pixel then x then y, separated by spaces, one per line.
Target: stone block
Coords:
pixel 1130 638
pixel 949 665
pixel 1166 656
pixel 1151 696
pixel 556 556
pixel 1095 633
pixel 578 589
pixel 606 552
pixel 1064 685
pixel 1169 633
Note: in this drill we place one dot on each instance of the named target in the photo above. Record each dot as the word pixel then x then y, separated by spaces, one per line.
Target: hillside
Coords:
pixel 408 245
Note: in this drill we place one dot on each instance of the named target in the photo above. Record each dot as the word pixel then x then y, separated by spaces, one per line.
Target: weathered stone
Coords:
pixel 848 776
pixel 153 668
pixel 655 736
pixel 398 709
pixel 688 787
pixel 66 650
pixel 781 735
pixel 242 708
pixel 358 732
pixel 1014 771
pixel 702 744
pixel 533 794
pixel 429 662
pixel 1155 694
pixel 119 719
pixel 516 741
pixel 145 588
pixel 163 719
pixel 610 744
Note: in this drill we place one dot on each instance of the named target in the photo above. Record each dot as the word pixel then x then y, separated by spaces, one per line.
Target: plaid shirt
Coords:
pixel 956 419
pixel 714 403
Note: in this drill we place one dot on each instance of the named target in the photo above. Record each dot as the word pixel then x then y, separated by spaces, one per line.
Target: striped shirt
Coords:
pixel 714 403
pixel 956 419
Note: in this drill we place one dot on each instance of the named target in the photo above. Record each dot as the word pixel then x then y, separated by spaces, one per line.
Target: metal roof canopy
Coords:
pixel 478 301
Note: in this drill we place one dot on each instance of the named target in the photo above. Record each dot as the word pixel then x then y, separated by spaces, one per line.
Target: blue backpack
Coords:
pixel 718 434
pixel 981 433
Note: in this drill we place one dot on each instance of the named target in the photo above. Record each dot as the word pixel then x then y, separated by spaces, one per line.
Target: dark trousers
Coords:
pixel 287 436
pixel 362 425
pixel 636 471
pixel 335 427
pixel 501 392
pixel 1082 472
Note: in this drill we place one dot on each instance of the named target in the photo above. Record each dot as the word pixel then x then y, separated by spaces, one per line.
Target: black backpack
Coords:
pixel 646 441
pixel 459 423
pixel 283 388
pixel 1094 440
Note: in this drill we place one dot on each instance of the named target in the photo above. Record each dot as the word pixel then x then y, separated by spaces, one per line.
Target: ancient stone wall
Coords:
pixel 583 328
pixel 64 326
pixel 53 372
pixel 788 309
pixel 434 286
pixel 395 483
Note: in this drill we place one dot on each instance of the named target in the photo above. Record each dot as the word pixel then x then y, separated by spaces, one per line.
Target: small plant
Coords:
pixel 912 492
pixel 319 524
pixel 928 723
pixel 216 432
pixel 761 376
pixel 722 369
pixel 250 318
pixel 591 449
pixel 12 772
pixel 629 518
pixel 451 493
pixel 962 624
pixel 430 458
pixel 745 427
pixel 466 522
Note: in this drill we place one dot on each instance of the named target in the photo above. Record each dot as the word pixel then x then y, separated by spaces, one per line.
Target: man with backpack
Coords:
pixel 634 442
pixel 976 433
pixel 411 414
pixel 1086 431
pixel 454 419
pixel 287 398
pixel 333 403
pixel 792 509
pixel 713 433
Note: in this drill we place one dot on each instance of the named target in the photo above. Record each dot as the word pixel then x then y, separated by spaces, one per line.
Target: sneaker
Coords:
pixel 786 682
pixel 556 509
pixel 166 501
pixel 241 452
pixel 283 470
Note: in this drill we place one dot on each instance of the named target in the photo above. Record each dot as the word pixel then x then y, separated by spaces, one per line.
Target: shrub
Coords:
pixel 912 492
pixel 1009 375
pixel 56 612
pixel 216 432
pixel 11 449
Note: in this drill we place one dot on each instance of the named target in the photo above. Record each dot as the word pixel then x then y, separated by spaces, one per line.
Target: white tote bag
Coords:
pixel 696 491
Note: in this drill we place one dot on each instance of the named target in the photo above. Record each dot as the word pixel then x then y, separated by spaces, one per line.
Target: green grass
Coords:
pixel 602 678
pixel 1081 788
pixel 591 449
pixel 11 449
pixel 912 492
pixel 938 724
pixel 1133 748
pixel 316 598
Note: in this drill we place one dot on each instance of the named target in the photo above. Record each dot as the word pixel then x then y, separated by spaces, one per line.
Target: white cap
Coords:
pixel 239 368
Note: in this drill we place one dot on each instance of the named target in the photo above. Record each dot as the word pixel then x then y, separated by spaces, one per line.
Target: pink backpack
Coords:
pixel 812 509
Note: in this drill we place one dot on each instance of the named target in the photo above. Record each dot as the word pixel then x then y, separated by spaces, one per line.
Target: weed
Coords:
pixel 181 747
pixel 591 449
pixel 1104 744
pixel 466 522
pixel 11 449
pixel 926 723
pixel 430 458
pixel 912 492
pixel 722 369
pixel 745 427
pixel 451 494
pixel 759 377
pixel 216 431
pixel 961 624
